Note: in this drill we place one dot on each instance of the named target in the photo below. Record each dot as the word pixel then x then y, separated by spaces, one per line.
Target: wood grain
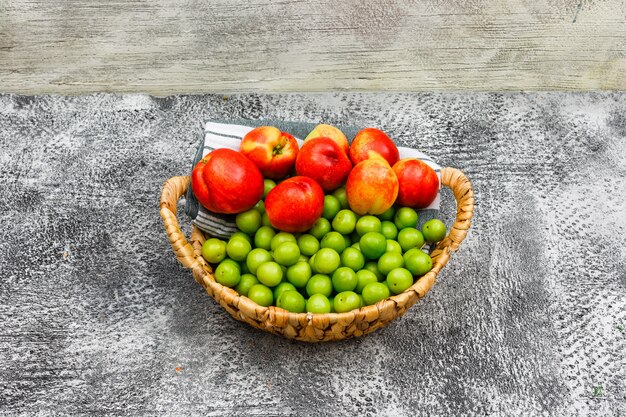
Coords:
pixel 169 46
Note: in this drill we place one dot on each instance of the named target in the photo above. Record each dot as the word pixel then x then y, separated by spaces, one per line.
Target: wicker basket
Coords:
pixel 310 327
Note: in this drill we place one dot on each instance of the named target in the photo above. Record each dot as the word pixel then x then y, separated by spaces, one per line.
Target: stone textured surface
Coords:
pixel 189 46
pixel 527 318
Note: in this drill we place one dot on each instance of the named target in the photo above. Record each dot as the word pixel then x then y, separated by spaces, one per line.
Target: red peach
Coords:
pixel 295 204
pixel 323 160
pixel 418 183
pixel 373 143
pixel 225 181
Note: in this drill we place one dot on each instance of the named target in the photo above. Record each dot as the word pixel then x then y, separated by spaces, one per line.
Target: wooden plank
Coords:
pixel 170 46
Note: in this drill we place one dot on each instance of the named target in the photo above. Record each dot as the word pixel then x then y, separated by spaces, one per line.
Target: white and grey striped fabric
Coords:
pixel 227 135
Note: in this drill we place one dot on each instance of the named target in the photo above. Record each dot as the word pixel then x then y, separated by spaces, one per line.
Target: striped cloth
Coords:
pixel 229 134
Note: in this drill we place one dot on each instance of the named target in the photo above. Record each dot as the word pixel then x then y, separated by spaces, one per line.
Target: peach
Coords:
pixel 295 204
pixel 373 143
pixel 323 160
pixel 272 151
pixel 225 181
pixel 332 132
pixel 418 183
pixel 372 187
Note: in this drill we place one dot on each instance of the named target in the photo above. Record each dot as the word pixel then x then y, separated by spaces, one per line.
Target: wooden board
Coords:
pixel 171 46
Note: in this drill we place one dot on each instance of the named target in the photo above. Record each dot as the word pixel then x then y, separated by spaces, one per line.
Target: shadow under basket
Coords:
pixel 309 327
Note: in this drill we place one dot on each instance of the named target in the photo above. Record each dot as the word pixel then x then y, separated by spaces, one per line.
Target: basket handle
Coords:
pixel 173 189
pixel 464 194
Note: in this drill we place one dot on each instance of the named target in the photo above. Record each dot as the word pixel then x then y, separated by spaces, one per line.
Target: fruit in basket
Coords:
pixel 373 245
pixel 346 301
pixel 332 132
pixel 364 277
pixel 371 187
pixel 340 194
pixel 434 230
pixel 245 283
pixel 249 221
pixel 375 292
pixel 405 217
pixel 319 284
pixel 332 206
pixel 214 250
pixel 228 273
pixel 261 295
pixel 287 253
pixel 418 183
pixel 272 151
pixel 326 261
pixel 295 204
pixel 399 280
pixel 238 248
pixel 269 273
pixel 353 247
pixel 417 262
pixel 352 323
pixel 318 303
pixel 281 288
pixel 373 143
pixel 225 181
pixel 323 160
pixel 291 301
pixel 410 238
pixel 299 274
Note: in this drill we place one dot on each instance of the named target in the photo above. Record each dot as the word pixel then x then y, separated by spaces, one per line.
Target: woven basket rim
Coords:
pixel 189 254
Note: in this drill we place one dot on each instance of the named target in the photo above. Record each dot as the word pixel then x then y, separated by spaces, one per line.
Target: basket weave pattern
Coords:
pixel 310 327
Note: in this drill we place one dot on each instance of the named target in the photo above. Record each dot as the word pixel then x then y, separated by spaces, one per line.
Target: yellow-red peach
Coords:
pixel 332 132
pixel 272 151
pixel 372 187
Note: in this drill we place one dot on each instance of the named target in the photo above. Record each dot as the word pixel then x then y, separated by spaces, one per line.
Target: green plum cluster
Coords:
pixel 343 262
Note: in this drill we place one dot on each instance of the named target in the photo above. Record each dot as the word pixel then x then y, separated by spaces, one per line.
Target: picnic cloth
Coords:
pixel 228 134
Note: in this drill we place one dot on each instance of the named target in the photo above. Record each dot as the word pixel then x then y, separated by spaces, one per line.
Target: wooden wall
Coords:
pixel 186 46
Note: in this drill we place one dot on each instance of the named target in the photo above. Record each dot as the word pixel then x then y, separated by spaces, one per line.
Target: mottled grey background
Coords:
pixel 527 319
